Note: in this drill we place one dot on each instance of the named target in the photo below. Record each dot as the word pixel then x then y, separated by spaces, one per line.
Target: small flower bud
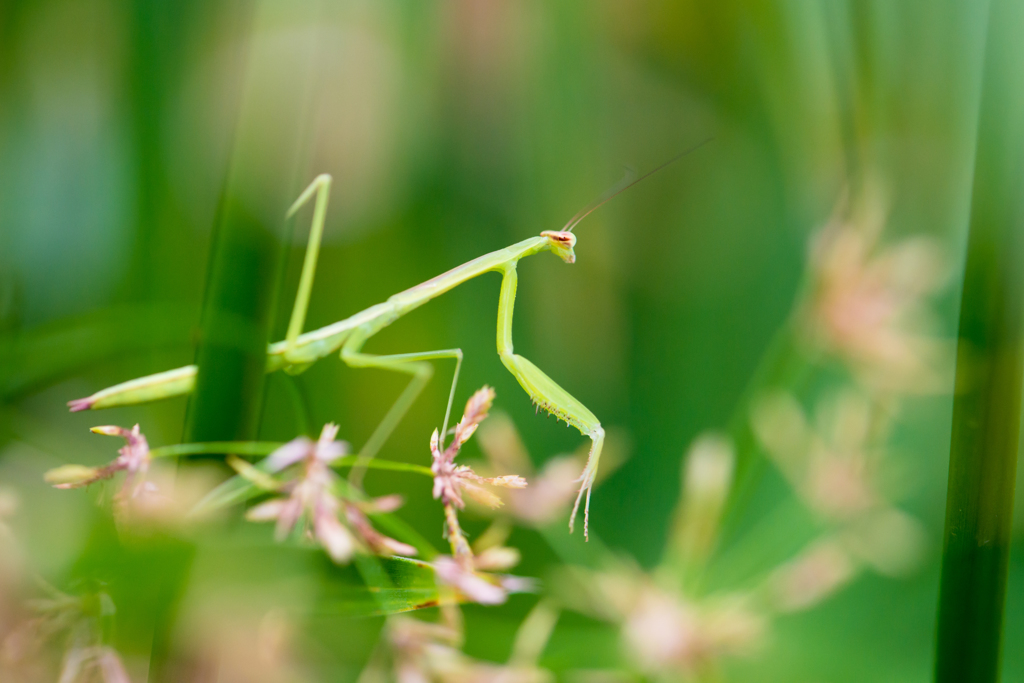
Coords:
pixel 477 408
pixel 498 558
pixel 334 537
pixel 480 495
pixel 110 430
pixel 469 583
pixel 811 577
pixel 266 511
pixel 72 476
pixel 509 481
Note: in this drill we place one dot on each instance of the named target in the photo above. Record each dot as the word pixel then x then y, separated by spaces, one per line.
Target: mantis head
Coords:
pixel 561 243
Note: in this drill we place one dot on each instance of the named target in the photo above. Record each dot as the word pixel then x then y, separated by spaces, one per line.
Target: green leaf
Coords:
pixel 390 585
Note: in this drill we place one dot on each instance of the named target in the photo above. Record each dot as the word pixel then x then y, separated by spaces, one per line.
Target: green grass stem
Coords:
pixel 986 406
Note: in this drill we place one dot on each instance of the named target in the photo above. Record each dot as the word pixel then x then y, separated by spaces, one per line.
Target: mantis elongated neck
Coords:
pixel 496 260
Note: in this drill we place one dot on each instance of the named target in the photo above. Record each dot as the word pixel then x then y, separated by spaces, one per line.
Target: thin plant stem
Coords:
pixel 261 448
pixel 300 402
pixel 460 546
pixel 986 406
pixel 784 364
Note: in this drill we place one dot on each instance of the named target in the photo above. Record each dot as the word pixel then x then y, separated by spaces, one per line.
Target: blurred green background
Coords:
pixel 453 129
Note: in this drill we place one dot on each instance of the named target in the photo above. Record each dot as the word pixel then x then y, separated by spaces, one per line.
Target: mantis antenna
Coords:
pixel 628 181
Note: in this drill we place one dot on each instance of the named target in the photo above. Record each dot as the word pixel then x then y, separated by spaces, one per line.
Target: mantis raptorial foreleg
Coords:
pixel 409 363
pixel 546 393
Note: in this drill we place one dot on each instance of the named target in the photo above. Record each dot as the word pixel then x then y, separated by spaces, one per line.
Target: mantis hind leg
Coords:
pixel 414 364
pixel 547 394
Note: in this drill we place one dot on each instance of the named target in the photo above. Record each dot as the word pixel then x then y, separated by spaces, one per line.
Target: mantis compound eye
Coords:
pixel 562 242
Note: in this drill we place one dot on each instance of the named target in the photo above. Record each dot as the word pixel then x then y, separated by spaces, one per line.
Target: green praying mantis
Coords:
pixel 300 350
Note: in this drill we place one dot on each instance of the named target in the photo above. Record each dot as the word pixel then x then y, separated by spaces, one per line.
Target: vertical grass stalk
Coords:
pixel 986 407
pixel 270 145
pixel 267 167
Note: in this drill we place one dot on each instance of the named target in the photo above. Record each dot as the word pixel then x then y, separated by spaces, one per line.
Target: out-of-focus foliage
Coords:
pixel 840 166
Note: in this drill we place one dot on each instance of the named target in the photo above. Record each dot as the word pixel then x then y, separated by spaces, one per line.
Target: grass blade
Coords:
pixel 986 408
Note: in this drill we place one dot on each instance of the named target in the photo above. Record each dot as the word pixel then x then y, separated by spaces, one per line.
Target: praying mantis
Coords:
pixel 300 350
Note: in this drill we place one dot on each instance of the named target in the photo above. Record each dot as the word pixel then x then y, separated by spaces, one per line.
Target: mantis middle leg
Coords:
pixel 321 187
pixel 409 363
pixel 546 393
